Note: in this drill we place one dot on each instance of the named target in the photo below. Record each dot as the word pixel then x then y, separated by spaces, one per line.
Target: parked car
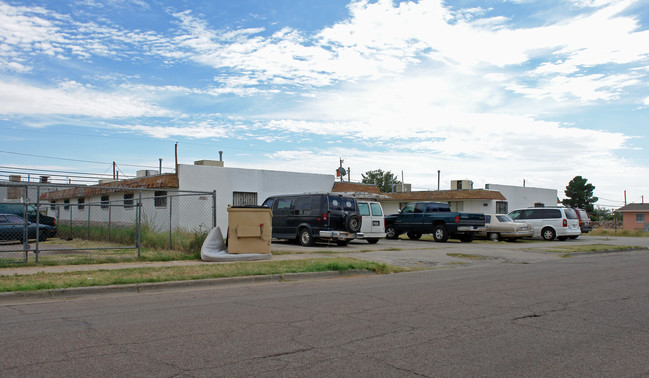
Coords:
pixel 28 212
pixel 550 222
pixel 372 221
pixel 502 226
pixel 417 218
pixel 584 221
pixel 12 227
pixel 308 218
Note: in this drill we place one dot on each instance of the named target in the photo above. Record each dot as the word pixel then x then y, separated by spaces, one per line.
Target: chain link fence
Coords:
pixel 41 222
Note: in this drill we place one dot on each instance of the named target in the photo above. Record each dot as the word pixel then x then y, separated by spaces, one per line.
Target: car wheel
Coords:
pixel 353 223
pixel 305 239
pixel 494 236
pixel 372 240
pixel 548 234
pixel 440 234
pixel 42 237
pixel 391 232
pixel 468 238
pixel 343 243
pixel 413 235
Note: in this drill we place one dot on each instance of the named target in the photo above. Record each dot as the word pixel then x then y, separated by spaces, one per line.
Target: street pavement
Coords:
pixel 575 317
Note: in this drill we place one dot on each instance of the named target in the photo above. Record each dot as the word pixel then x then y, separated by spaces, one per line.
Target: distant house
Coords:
pixel 635 216
pixel 469 200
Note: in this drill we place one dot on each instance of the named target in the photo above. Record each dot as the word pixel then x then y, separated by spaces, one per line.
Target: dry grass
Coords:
pixel 42 281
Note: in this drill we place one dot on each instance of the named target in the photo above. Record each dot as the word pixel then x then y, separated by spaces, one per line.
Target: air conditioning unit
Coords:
pixel 147 173
pixel 403 188
pixel 461 184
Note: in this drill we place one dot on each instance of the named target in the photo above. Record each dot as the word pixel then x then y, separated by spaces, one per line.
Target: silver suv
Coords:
pixel 550 222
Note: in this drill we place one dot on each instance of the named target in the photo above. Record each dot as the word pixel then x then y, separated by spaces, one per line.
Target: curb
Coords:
pixel 160 286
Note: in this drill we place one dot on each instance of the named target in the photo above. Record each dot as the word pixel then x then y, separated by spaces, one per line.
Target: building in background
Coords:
pixel 635 216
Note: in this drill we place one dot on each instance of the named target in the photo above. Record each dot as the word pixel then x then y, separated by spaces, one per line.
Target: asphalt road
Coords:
pixel 583 316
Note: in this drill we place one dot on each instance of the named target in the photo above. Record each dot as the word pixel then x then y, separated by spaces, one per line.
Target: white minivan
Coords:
pixel 372 220
pixel 550 222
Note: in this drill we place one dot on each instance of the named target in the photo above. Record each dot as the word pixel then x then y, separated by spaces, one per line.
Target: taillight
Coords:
pixel 324 217
pixel 565 223
pixel 457 219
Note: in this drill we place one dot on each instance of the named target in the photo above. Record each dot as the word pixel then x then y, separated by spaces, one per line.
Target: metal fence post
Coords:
pixel 139 222
pixel 38 222
pixel 213 208
pixel 110 214
pixel 89 208
pixel 171 201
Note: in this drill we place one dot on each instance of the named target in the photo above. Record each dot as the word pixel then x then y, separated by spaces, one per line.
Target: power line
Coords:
pixel 79 160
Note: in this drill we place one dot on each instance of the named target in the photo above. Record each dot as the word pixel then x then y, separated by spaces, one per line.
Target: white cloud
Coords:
pixel 202 130
pixel 72 98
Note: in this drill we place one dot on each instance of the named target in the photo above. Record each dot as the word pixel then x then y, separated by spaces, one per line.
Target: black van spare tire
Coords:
pixel 353 223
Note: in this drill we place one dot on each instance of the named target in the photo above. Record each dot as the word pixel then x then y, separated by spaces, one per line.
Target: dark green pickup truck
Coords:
pixel 417 218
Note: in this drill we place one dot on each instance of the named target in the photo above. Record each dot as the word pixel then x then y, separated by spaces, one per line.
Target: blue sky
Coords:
pixel 492 91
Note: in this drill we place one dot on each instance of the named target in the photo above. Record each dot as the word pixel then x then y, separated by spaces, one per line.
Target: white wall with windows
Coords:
pixel 241 186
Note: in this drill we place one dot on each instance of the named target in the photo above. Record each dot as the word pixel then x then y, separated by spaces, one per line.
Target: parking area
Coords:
pixel 430 254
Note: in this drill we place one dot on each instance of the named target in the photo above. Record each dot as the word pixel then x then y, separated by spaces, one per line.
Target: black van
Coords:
pixel 310 217
pixel 28 212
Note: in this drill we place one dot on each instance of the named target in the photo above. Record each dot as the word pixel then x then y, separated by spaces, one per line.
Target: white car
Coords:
pixel 372 220
pixel 550 222
pixel 502 226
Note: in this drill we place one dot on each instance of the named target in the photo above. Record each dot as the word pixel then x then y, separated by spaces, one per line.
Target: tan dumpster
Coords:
pixel 250 229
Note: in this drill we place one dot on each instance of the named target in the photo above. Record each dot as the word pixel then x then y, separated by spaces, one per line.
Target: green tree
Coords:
pixel 580 194
pixel 383 180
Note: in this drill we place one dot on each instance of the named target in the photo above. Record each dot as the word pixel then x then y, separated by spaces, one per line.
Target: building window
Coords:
pixel 80 203
pixel 105 201
pixel 501 207
pixel 128 200
pixel 639 218
pixel 244 199
pixel 52 205
pixel 66 204
pixel 160 198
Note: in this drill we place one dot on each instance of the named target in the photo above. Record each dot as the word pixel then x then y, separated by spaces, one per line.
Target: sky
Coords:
pixel 502 92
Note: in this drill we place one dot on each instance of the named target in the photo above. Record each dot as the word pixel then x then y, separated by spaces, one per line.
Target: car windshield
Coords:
pixel 504 218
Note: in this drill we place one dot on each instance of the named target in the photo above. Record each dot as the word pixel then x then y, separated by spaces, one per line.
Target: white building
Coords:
pixel 240 186
pixel 183 200
pixel 523 196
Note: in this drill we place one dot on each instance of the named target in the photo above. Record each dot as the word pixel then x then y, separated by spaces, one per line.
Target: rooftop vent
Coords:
pixel 211 163
pixel 147 173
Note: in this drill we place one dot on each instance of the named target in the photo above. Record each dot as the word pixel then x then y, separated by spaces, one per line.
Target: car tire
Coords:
pixel 372 240
pixel 353 223
pixel 391 232
pixel 305 238
pixel 494 236
pixel 548 234
pixel 343 243
pixel 468 238
pixel 440 234
pixel 413 235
